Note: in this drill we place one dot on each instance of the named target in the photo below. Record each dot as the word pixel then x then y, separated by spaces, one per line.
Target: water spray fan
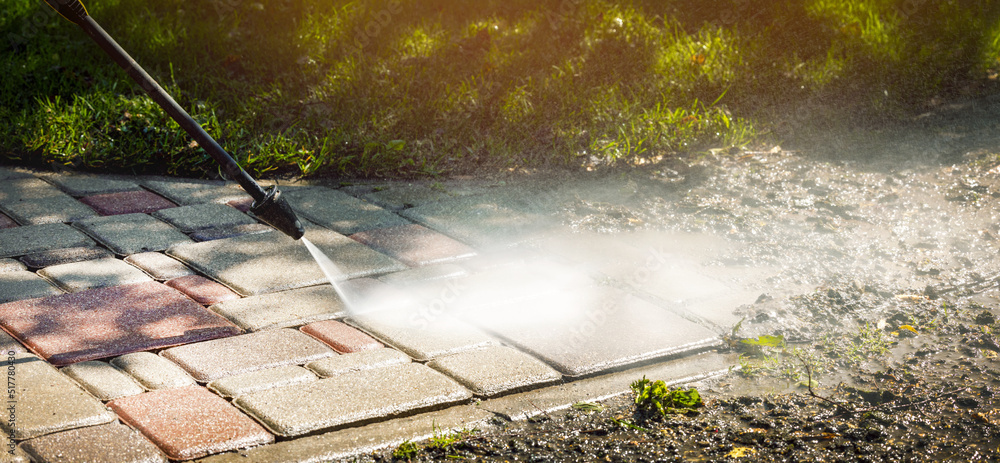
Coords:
pixel 268 205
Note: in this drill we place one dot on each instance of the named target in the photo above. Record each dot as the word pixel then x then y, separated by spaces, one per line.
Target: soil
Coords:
pixel 882 251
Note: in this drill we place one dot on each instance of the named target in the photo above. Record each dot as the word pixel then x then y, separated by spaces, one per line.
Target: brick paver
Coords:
pixel 153 371
pixel 340 337
pixel 132 233
pixel 20 241
pixel 100 273
pixel 158 265
pixel 414 245
pixel 399 197
pixel 127 202
pixel 102 379
pixel 18 285
pixel 189 193
pixel 495 370
pixel 424 274
pixel 357 361
pixel 31 201
pixel 109 443
pixel 235 386
pixel 422 336
pixel 352 397
pixel 282 309
pixel 203 216
pixel 48 401
pixel 211 360
pixel 190 422
pixel 64 256
pixel 104 322
pixel 278 262
pixel 86 185
pixel 340 211
pixel 202 290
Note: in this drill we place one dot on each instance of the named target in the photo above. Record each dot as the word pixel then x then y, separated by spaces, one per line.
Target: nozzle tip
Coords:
pixel 276 212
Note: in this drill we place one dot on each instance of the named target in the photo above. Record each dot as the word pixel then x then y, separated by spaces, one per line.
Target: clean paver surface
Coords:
pixel 48 401
pixel 190 422
pixel 104 322
pixel 414 245
pixel 352 397
pixel 341 337
pixel 211 360
pixel 357 361
pixel 109 443
pixel 283 309
pixel 235 386
pixel 103 380
pixel 495 370
pixel 422 335
pixel 153 371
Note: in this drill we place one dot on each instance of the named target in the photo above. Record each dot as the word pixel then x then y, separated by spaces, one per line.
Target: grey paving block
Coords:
pixel 19 241
pixel 103 380
pixel 362 440
pixel 63 256
pixel 47 401
pixel 357 361
pixel 203 216
pixel 158 265
pixel 153 371
pixel 7 173
pixel 675 372
pixel 132 233
pixel 352 397
pixel 581 333
pixel 422 338
pixel 109 443
pixel 85 185
pixel 402 196
pixel 11 265
pixel 487 221
pixel 235 386
pixel 424 274
pixel 340 211
pixel 33 202
pixel 15 286
pixel 270 262
pixel 99 273
pixel 495 370
pixel 282 309
pixel 211 360
pixel 189 193
pixel 221 233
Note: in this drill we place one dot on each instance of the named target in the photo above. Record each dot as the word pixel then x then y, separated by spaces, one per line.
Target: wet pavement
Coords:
pixel 149 319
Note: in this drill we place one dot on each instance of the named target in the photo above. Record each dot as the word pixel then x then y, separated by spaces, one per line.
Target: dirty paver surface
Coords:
pixel 462 304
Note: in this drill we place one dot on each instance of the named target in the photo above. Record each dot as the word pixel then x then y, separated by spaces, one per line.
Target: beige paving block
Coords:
pixel 153 371
pixel 99 273
pixel 103 380
pixel 284 309
pixel 109 443
pixel 47 401
pixel 352 397
pixel 235 386
pixel 211 360
pixel 495 370
pixel 357 361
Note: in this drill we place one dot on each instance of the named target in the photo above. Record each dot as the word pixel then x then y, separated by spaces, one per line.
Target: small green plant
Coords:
pixel 406 451
pixel 650 395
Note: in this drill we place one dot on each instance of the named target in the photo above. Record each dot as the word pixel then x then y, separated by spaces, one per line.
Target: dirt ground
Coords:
pixel 880 339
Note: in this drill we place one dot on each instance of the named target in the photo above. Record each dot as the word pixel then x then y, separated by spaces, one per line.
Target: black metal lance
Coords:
pixel 268 204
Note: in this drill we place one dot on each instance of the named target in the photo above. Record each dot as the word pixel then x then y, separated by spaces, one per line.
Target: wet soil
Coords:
pixel 879 254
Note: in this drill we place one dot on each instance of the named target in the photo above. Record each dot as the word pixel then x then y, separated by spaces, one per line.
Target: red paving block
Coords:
pixel 6 222
pixel 414 245
pixel 106 322
pixel 127 202
pixel 190 422
pixel 202 290
pixel 340 337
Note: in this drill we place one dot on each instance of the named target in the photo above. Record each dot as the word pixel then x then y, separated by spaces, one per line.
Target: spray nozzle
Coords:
pixel 276 212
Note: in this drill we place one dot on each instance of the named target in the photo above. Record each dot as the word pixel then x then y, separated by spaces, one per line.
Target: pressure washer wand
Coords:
pixel 268 205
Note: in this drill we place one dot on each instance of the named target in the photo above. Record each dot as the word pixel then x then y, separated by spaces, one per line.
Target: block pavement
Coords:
pixel 154 319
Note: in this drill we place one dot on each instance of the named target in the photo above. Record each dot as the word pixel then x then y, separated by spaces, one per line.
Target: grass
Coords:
pixel 435 87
